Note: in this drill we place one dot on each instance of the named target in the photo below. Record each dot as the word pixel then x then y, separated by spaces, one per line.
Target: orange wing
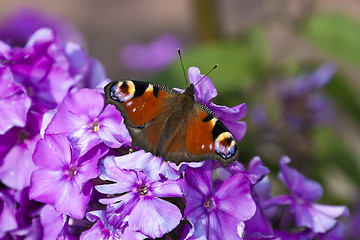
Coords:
pixel 208 137
pixel 138 102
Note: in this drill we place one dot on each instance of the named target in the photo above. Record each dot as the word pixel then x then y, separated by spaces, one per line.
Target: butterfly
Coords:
pixel 170 124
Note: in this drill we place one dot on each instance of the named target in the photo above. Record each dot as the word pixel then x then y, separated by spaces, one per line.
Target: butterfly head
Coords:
pixel 190 91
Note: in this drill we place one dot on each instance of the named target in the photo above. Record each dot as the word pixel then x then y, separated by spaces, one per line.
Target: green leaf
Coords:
pixel 336 34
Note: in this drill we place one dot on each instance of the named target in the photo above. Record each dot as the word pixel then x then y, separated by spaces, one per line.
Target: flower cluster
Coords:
pixel 66 171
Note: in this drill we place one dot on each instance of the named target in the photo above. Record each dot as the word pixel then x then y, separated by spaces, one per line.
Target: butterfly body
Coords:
pixel 171 125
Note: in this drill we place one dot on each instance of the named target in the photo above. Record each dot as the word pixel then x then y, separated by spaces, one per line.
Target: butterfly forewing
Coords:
pixel 138 102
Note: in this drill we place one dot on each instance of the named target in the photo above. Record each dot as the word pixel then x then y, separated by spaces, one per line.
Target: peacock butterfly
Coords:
pixel 171 125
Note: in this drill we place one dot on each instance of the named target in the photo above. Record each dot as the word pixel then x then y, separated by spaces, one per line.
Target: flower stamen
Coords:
pixel 95 125
pixel 143 190
pixel 71 172
pixel 23 135
pixel 209 204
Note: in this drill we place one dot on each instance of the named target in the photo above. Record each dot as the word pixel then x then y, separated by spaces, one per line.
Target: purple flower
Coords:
pixel 257 170
pixel 101 229
pixel 154 56
pixel 22 218
pixel 54 224
pixel 259 226
pixel 20 25
pixel 304 192
pixel 336 233
pixel 303 105
pixel 7 213
pixel 62 179
pixel 299 235
pixel 217 213
pixel 87 72
pixel 17 147
pixel 141 207
pixel 152 166
pixel 41 68
pixel 14 103
pixel 87 122
pixel 205 91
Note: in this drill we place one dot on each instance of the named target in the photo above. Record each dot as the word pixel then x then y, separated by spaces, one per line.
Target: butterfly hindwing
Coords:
pixel 208 137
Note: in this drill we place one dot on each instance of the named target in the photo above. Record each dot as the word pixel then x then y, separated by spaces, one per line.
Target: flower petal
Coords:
pixel 51 221
pixel 45 186
pixel 204 90
pixel 72 200
pixel 125 180
pixel 234 199
pixel 77 109
pixel 151 165
pixel 53 152
pixel 112 129
pixel 14 110
pixel 18 166
pixel 230 117
pixel 259 225
pixel 320 218
pixel 154 217
pixel 222 226
pixel 199 179
pixel 298 184
pixel 117 213
pixel 168 188
pixel 7 213
pixel 257 170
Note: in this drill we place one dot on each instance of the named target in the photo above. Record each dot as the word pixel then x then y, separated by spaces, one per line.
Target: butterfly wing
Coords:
pixel 140 104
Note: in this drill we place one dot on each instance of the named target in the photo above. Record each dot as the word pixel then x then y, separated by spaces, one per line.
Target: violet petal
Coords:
pixel 154 217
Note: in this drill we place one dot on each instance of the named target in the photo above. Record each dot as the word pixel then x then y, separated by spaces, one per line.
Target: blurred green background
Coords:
pixel 256 44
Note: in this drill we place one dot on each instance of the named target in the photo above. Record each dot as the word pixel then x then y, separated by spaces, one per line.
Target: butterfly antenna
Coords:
pixel 216 65
pixel 182 65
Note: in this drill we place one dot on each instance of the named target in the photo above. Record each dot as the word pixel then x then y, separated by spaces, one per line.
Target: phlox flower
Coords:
pixel 16 148
pixel 152 166
pixel 304 193
pixel 216 213
pixel 22 218
pixel 140 207
pixel 86 121
pixel 62 179
pixel 259 226
pixel 256 172
pixel 87 72
pixel 103 230
pixel 14 102
pixel 302 102
pixel 7 213
pixel 41 68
